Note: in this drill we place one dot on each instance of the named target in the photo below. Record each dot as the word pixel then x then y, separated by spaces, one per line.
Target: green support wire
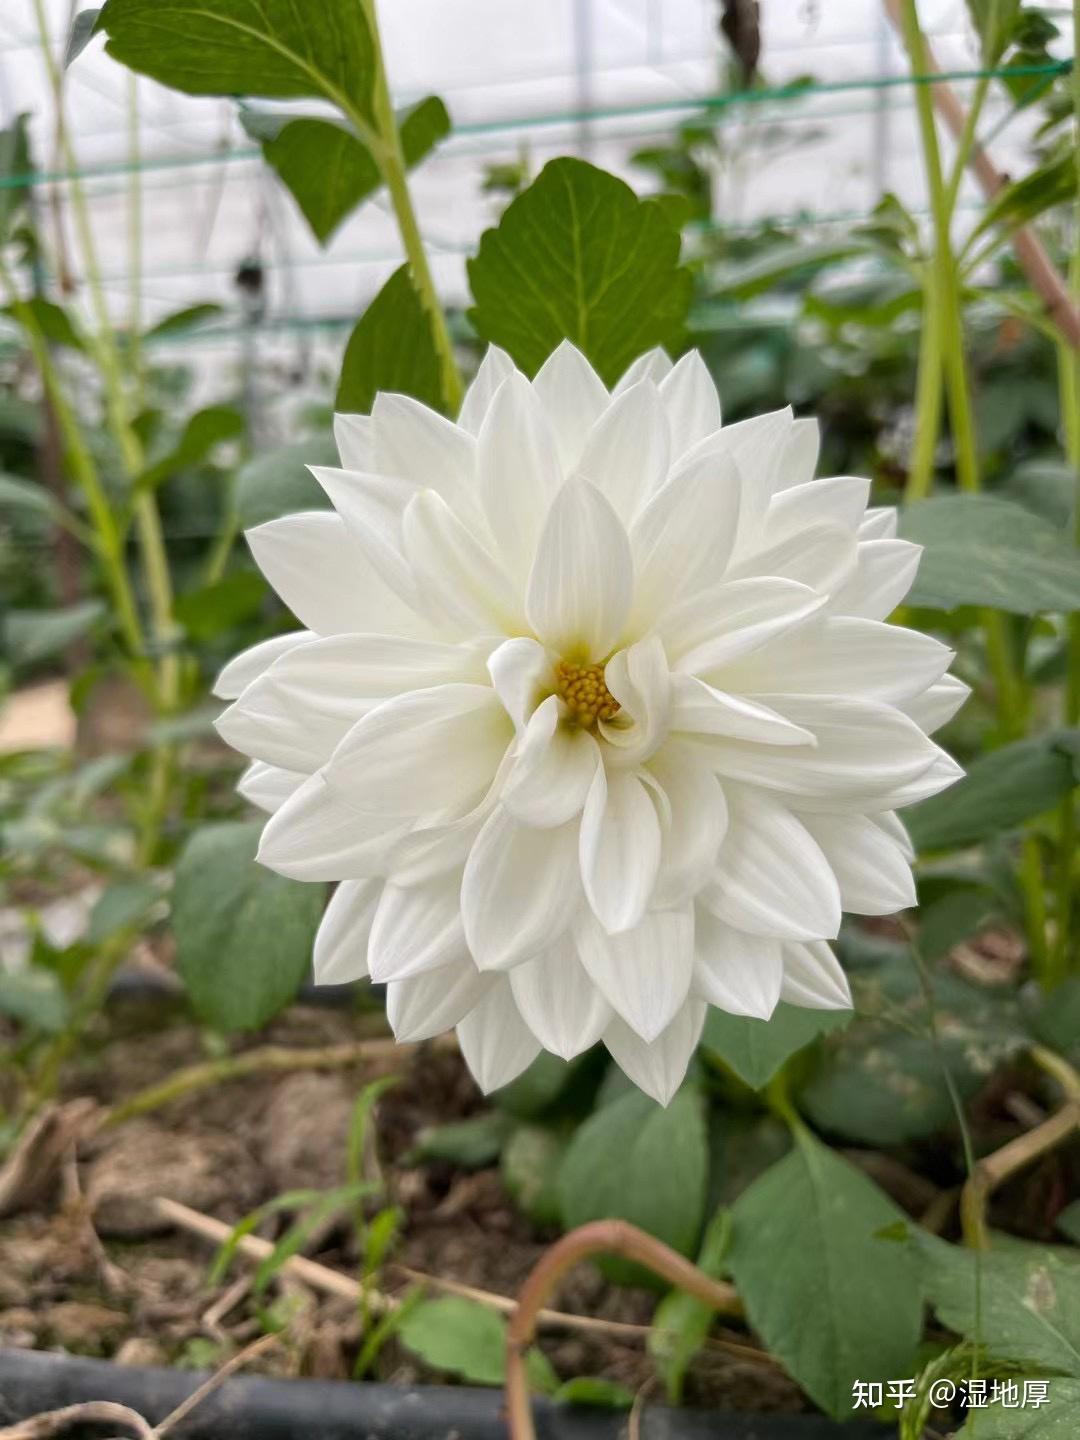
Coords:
pixel 710 104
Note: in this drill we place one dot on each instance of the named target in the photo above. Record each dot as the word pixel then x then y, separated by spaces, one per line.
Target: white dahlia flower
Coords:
pixel 595 719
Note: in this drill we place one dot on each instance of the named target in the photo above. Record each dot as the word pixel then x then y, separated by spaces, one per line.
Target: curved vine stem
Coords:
pixel 601 1237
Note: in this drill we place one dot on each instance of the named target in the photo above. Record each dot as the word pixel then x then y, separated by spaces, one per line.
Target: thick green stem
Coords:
pixel 391 161
pixel 928 392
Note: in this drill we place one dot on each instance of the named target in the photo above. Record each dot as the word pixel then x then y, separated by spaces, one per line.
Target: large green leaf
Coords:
pixel 979 550
pixel 755 1049
pixel 579 257
pixel 1002 789
pixel 275 48
pixel 634 1160
pixel 243 934
pixel 327 167
pixel 391 348
pixel 1025 1303
pixel 1055 1420
pixel 832 1301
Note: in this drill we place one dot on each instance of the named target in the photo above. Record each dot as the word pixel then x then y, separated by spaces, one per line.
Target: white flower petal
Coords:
pixel 889 822
pixel 840 500
pixel 814 979
pixel 644 974
pixel 942 772
pixel 268 786
pixel 620 849
pixel 640 681
pixel 558 1001
pixel 430 1003
pixel 522 672
pixel 627 451
pixel 734 971
pixel 520 890
pixel 573 397
pixel 552 770
pixel 871 869
pixel 757 446
pixel 455 575
pixel 691 401
pixel 519 471
pixel 883 573
pixel 712 628
pixel 417 928
pixel 322 575
pixel 495 1042
pixel 879 523
pixel 654 365
pixel 842 655
pixel 582 577
pixel 394 760
pixel 341 944
pixel 822 556
pixel 316 835
pixel 693 826
pixel 242 669
pixel 495 367
pixel 771 878
pixel 658 1068
pixel 937 705
pixel 419 444
pixel 372 506
pixel 354 436
pixel 698 709
pixel 681 540
pixel 798 463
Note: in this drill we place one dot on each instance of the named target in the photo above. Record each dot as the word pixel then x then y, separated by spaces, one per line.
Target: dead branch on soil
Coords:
pixel 601 1237
pixel 230 1367
pixel 91 1412
pixel 1033 259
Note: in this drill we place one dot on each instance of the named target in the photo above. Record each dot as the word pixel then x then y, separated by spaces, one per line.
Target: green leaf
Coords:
pixel 577 256
pixel 682 1322
pixel 212 609
pixel 956 916
pixel 530 1167
pixel 880 1081
pixel 123 905
pixel 593 1390
pixel 832 1301
pixel 274 48
pixel 35 997
pixel 26 495
pixel 203 431
pixel 391 348
pixel 467 1339
pixel 1068 1222
pixel 537 1087
pixel 279 482
pixel 1001 790
pixel 327 167
pixel 15 160
pixel 82 29
pixel 1029 1305
pixel 634 1160
pixel 181 321
pixel 33 635
pixel 756 1049
pixel 52 320
pixel 979 550
pixel 472 1143
pixel 1055 1420
pixel 1014 205
pixel 1056 1017
pixel 782 262
pixel 243 934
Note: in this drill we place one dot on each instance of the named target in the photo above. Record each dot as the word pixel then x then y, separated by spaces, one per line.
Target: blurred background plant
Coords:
pixel 938 347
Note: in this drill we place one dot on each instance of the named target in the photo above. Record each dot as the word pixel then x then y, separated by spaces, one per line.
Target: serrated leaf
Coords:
pixel 756 1049
pixel 274 48
pixel 1001 790
pixel 831 1301
pixel 978 550
pixel 634 1160
pixel 327 167
pixel 391 348
pixel 243 934
pixel 577 256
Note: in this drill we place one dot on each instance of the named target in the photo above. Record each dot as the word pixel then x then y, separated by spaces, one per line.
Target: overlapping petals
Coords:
pixel 595 717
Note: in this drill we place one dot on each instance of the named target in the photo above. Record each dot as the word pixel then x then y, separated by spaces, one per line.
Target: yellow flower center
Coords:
pixel 585 693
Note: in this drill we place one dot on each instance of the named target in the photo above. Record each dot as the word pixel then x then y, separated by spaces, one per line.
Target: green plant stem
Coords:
pixel 391 160
pixel 1031 878
pixel 108 542
pixel 928 393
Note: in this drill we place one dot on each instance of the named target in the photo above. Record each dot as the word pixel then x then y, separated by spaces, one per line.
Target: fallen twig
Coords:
pixel 237 1362
pixel 90 1412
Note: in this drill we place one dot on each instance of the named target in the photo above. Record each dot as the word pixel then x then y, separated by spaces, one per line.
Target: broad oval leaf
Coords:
pixel 243 934
pixel 275 48
pixel 978 550
pixel 832 1301
pixel 577 256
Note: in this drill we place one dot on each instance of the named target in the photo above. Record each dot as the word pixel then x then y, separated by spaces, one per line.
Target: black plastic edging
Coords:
pixel 254 1408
